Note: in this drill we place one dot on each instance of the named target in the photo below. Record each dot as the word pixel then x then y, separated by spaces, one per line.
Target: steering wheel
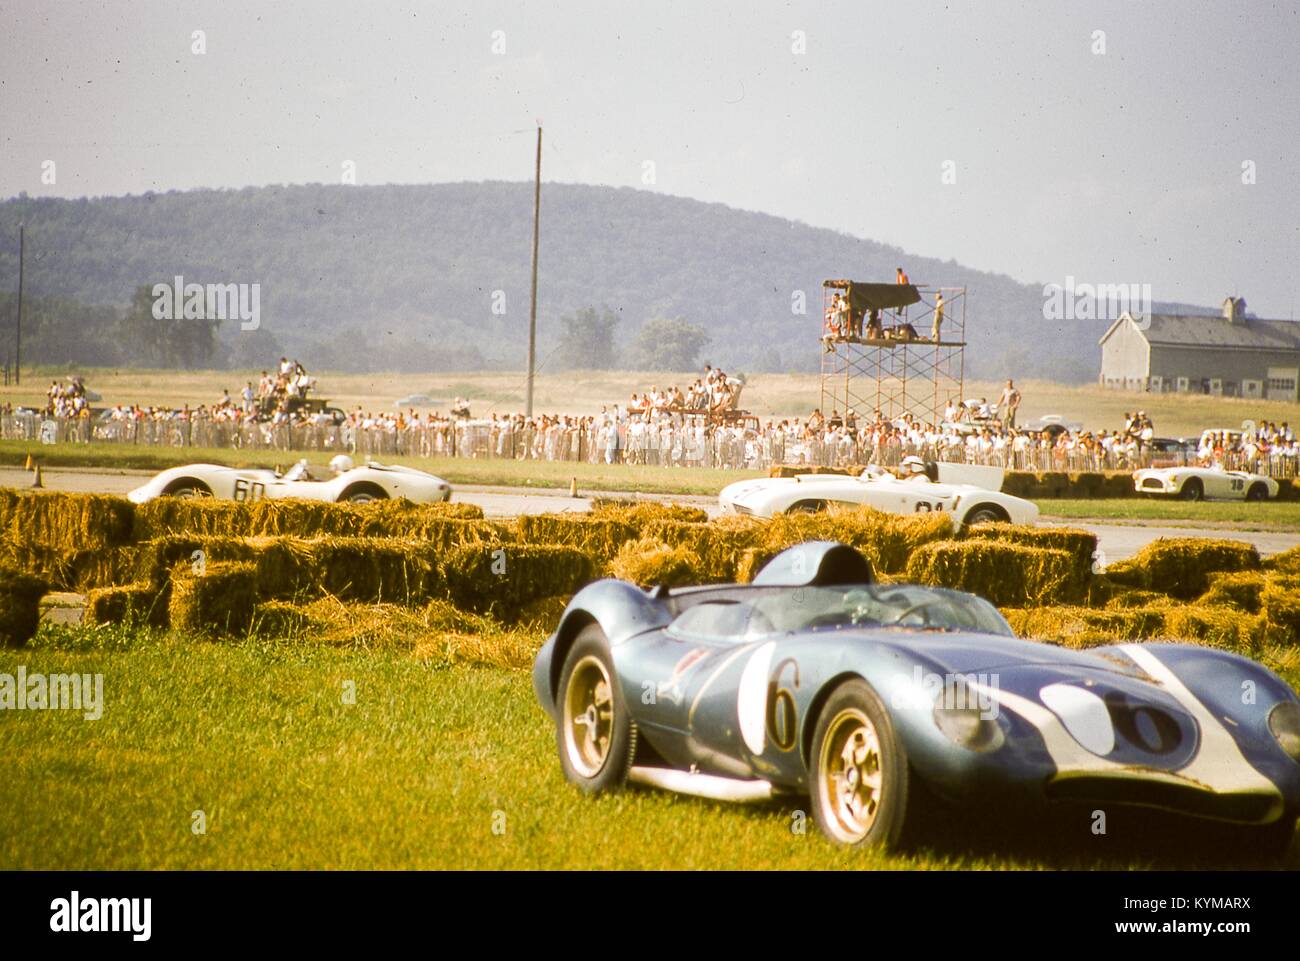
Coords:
pixel 920 605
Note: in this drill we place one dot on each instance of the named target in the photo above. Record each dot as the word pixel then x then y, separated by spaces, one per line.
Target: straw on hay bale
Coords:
pixel 1087 627
pixel 599 537
pixel 1181 566
pixel 641 513
pixel 1287 562
pixel 542 614
pixel 500 580
pixel 1237 589
pixel 443 523
pixel 20 606
pixel 68 522
pixel 139 603
pixel 649 562
pixel 1008 575
pixel 1280 611
pixel 221 600
pixel 887 540
pixel 1081 544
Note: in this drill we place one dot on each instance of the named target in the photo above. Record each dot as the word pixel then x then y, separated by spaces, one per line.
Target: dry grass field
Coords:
pixel 585 392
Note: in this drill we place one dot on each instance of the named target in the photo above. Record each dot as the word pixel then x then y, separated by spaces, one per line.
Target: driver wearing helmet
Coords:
pixel 914 469
pixel 341 464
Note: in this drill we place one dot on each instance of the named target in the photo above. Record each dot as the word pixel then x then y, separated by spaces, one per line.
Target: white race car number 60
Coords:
pixel 249 490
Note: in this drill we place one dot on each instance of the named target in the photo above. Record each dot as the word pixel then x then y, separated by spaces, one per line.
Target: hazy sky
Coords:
pixel 1117 167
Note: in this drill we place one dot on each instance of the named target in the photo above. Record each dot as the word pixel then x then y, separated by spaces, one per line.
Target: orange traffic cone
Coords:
pixel 36 481
pixel 30 463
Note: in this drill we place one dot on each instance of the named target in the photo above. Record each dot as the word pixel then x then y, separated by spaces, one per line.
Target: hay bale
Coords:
pixel 640 513
pixel 1287 562
pixel 67 522
pixel 1235 589
pixel 1081 544
pixel 501 580
pixel 139 603
pixel 887 540
pixel 20 606
pixel 715 550
pixel 1008 575
pixel 1279 606
pixel 222 600
pixel 649 562
pixel 598 536
pixel 1081 627
pixel 444 523
pixel 1122 599
pixel 1181 566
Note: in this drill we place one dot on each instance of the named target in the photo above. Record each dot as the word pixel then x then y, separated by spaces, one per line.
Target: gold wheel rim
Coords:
pixel 588 716
pixel 850 776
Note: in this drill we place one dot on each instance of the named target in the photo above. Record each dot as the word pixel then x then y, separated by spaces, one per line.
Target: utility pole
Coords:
pixel 18 329
pixel 532 310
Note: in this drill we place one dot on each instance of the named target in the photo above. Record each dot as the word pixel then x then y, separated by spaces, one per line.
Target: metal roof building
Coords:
pixel 1228 354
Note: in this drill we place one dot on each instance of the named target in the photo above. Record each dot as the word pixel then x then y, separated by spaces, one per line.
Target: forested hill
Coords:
pixel 437 277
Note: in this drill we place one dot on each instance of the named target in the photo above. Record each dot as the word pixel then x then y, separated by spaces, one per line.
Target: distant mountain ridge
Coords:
pixel 436 276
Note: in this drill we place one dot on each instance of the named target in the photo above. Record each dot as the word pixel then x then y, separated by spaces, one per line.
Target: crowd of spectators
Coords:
pixel 699 426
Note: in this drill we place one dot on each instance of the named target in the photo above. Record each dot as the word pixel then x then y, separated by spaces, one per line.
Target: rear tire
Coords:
pixel 862 788
pixel 187 488
pixel 1193 490
pixel 594 733
pixel 363 494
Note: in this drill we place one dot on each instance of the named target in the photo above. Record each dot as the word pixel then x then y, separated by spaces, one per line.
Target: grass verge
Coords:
pixel 437 764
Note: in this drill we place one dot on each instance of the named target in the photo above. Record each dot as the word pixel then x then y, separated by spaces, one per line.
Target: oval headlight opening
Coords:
pixel 968 727
pixel 1284 722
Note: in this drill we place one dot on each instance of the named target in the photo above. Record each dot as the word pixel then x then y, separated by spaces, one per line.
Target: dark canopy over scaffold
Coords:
pixel 865 297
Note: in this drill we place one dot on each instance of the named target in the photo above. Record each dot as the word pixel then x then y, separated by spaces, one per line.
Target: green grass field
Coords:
pixel 434 766
pixel 1237 514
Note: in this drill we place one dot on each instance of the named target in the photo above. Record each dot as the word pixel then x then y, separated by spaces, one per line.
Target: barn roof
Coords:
pixel 1215 331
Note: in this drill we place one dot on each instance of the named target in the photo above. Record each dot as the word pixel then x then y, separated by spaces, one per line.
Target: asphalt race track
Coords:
pixel 1115 541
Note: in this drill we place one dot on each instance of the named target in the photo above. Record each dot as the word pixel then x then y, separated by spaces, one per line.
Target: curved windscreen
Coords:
pixel 763 612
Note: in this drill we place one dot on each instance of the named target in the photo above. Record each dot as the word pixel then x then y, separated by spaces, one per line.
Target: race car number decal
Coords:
pixel 249 491
pixel 782 717
pixel 924 507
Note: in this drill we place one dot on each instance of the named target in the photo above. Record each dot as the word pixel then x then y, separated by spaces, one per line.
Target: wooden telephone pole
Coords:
pixel 532 310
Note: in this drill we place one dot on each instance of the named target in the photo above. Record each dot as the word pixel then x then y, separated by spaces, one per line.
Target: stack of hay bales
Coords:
pixel 139 603
pixel 649 562
pixel 220 600
pixel 1182 566
pixel 1008 575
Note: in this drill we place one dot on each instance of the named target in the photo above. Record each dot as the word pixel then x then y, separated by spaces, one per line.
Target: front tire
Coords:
pixel 807 507
pixel 595 734
pixel 1257 492
pixel 985 514
pixel 862 788
pixel 1193 490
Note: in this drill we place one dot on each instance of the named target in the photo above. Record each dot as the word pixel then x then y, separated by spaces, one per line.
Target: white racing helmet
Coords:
pixel 341 464
pixel 913 465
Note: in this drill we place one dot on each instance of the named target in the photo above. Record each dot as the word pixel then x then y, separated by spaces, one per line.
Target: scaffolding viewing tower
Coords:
pixel 882 350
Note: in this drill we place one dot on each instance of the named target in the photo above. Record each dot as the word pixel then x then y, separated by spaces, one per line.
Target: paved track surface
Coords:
pixel 1115 541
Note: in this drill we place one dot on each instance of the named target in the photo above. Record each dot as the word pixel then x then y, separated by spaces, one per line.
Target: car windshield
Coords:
pixel 761 612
